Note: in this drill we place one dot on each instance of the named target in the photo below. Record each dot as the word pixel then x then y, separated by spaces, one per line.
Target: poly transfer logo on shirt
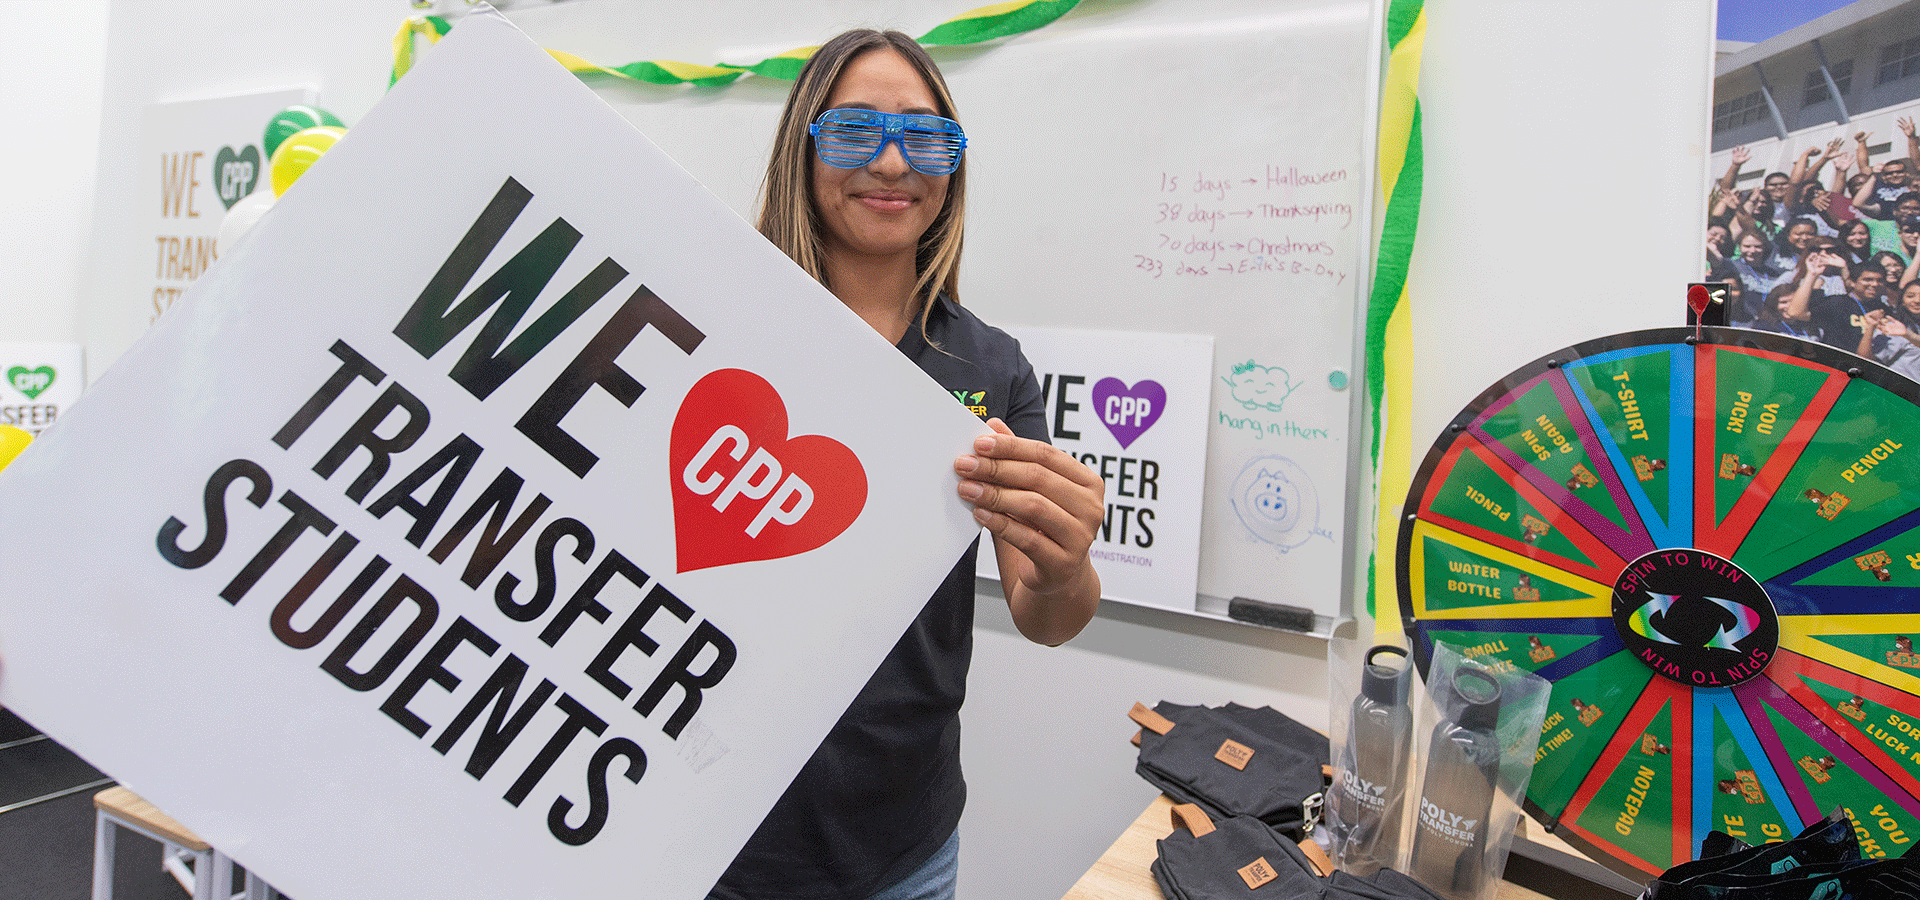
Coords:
pixel 974 401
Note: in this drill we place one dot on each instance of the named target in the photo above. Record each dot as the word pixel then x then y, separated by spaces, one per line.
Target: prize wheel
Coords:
pixel 1711 551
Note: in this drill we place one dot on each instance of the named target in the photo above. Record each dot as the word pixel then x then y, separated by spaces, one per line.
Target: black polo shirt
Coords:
pixel 884 790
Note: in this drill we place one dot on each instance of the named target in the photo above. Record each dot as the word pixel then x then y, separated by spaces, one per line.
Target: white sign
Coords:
pixel 483 531
pixel 38 381
pixel 199 158
pixel 1133 407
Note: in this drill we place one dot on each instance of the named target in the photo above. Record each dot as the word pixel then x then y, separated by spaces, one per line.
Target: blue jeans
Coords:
pixel 935 880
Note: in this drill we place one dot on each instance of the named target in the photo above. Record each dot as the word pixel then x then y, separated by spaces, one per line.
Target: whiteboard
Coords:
pixel 1143 166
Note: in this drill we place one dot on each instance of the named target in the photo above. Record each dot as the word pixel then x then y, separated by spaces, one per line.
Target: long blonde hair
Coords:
pixel 787 215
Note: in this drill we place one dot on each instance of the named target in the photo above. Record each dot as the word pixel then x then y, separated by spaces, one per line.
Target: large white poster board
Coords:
pixel 485 534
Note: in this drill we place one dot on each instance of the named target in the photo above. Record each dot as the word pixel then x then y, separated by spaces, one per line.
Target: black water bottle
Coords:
pixel 1374 783
pixel 1450 838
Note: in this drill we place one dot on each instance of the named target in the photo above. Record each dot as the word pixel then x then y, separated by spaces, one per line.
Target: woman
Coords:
pixel 1808 200
pixel 1773 316
pixel 1909 246
pixel 1785 310
pixel 1755 274
pixel 1890 263
pixel 1719 243
pixel 1793 243
pixel 1907 310
pixel 1834 253
pixel 1902 324
pixel 865 190
pixel 1755 215
pixel 1856 241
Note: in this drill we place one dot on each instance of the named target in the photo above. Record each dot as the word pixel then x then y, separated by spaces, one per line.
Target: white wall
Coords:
pixel 51 74
pixel 194 49
pixel 1564 140
pixel 1565 193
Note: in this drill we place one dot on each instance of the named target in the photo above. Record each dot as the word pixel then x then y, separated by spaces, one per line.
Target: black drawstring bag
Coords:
pixel 1234 761
pixel 1829 840
pixel 1879 879
pixel 1242 857
pixel 1822 861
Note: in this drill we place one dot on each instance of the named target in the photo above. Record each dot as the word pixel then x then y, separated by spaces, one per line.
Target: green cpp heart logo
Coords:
pixel 30 382
pixel 235 174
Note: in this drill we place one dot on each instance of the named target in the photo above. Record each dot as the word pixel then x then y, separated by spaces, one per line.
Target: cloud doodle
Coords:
pixel 1260 387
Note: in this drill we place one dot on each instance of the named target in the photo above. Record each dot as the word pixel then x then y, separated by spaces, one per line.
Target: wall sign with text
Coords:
pixel 200 157
pixel 37 382
pixel 1132 406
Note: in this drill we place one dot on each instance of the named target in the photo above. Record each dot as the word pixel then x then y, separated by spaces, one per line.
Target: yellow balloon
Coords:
pixel 296 153
pixel 12 441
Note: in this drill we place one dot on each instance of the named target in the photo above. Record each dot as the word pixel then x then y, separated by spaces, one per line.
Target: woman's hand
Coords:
pixel 1043 508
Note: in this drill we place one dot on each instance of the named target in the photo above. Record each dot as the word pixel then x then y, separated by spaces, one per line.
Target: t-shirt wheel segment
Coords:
pixel 1712 551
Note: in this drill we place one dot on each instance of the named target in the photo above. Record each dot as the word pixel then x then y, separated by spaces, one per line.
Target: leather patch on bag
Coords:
pixel 1193 818
pixel 1322 864
pixel 1234 753
pixel 1257 873
pixel 1147 718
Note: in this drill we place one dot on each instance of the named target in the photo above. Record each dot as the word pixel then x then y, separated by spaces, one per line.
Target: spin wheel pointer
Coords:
pixel 1708 541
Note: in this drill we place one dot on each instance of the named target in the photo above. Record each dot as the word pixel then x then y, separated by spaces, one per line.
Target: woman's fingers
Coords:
pixel 1036 497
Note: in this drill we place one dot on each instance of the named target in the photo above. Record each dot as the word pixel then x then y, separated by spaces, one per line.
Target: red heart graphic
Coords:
pixel 742 490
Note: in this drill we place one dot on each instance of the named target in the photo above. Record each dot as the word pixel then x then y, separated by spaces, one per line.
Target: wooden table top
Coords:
pixel 132 808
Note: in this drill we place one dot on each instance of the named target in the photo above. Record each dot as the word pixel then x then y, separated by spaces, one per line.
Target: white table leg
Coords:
pixel 103 844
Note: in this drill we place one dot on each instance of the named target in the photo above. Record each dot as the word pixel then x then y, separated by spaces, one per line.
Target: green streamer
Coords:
pixel 975 26
pixel 1003 20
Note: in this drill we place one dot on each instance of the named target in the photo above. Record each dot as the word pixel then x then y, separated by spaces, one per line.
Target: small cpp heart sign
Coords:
pixel 742 489
pixel 1128 411
pixel 235 174
pixel 30 382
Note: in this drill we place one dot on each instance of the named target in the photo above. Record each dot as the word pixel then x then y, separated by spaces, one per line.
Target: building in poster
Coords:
pixel 1856 67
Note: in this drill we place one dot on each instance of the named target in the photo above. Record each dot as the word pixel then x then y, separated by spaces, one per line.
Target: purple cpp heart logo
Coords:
pixel 1128 411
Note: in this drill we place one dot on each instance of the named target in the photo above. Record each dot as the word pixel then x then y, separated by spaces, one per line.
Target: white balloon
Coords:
pixel 241 217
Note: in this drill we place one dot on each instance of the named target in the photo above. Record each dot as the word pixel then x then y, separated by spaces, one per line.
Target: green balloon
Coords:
pixel 294 119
